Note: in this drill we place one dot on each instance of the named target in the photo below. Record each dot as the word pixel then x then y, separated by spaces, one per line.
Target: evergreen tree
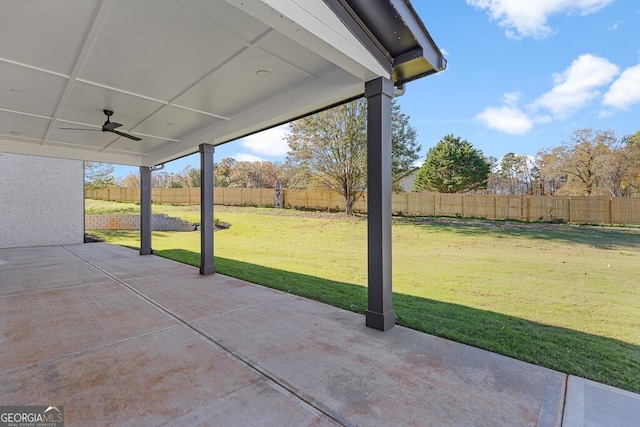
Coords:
pixel 453 166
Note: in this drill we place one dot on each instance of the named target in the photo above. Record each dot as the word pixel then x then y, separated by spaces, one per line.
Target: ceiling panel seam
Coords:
pixel 125 92
pixel 22 113
pixel 31 67
pixel 198 135
pixel 211 72
pixel 97 20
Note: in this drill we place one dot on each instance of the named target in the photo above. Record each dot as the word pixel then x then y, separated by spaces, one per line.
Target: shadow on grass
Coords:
pixel 592 235
pixel 598 358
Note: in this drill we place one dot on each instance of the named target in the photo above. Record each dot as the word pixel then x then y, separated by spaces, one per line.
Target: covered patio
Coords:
pixel 143 83
pixel 121 339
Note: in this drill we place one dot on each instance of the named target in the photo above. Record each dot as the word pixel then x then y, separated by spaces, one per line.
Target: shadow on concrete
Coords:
pixel 601 359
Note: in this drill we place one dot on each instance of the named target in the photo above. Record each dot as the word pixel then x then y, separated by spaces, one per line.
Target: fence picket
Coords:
pixel 581 210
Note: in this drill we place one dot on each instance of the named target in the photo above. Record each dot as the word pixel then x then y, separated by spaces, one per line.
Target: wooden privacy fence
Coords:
pixel 580 210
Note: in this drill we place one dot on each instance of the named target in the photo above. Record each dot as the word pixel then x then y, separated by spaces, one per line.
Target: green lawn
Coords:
pixel 561 296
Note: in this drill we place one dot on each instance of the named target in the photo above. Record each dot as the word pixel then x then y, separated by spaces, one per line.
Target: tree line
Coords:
pixel 328 151
pixel 592 163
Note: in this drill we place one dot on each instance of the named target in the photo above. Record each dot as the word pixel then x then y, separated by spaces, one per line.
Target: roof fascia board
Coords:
pixel 350 18
pixel 430 50
pixel 314 25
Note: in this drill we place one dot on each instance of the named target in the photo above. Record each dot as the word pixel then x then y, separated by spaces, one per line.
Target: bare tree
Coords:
pixel 578 159
pixel 132 181
pixel 618 168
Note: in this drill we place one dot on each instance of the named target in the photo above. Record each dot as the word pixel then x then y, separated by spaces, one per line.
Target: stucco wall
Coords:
pixel 41 201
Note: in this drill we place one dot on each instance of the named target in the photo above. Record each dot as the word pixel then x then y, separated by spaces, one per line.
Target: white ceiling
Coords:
pixel 176 73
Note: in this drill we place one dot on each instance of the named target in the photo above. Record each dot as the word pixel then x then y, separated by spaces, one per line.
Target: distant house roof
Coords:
pixel 406 181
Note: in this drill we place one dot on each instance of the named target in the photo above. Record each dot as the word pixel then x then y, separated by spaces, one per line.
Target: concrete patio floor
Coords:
pixel 122 339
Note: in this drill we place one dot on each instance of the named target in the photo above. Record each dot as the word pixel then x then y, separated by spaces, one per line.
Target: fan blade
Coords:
pixel 126 135
pixel 109 127
pixel 92 130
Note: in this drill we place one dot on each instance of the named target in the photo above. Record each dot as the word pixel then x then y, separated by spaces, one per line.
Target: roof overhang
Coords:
pixel 179 73
pixel 395 34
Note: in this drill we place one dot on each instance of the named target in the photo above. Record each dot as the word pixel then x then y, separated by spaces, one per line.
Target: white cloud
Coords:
pixel 577 85
pixel 506 119
pixel 509 118
pixel 528 18
pixel 615 25
pixel 246 157
pixel 268 143
pixel 625 91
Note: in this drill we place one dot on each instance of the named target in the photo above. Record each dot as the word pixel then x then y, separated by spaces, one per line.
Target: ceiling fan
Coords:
pixel 109 126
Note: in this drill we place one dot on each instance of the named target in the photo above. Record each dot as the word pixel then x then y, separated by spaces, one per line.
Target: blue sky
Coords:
pixel 522 76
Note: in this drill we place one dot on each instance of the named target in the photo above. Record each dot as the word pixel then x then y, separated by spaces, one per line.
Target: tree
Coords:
pixel 194 177
pixel 494 183
pixel 453 166
pixel 578 160
pixel 330 149
pixel 405 148
pixel 132 181
pixel 619 167
pixel 633 148
pixel 160 179
pixel 98 175
pixel 548 178
pixel 222 172
pixel 516 174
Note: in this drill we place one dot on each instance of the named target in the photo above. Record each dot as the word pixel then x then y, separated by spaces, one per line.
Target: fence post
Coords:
pixel 434 204
pixel 406 204
pixel 610 211
pixel 528 208
pixel 569 206
pixel 462 206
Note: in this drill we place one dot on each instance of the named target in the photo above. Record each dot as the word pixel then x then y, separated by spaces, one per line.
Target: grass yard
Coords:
pixel 561 296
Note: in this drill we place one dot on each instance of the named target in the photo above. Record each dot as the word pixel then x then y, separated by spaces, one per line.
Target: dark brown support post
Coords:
pixel 206 209
pixel 379 94
pixel 145 210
